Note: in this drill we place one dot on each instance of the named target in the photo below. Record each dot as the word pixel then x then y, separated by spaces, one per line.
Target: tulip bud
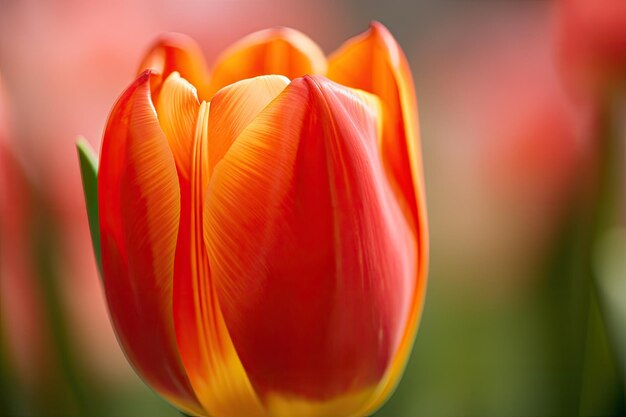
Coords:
pixel 264 252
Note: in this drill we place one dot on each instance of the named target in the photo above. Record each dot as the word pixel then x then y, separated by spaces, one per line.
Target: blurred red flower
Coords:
pixel 21 310
pixel 511 155
pixel 592 42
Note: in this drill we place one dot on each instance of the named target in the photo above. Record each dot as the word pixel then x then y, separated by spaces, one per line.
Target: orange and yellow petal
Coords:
pixel 208 354
pixel 177 108
pixel 138 200
pixel 315 272
pixel 175 52
pixel 279 51
pixel 375 63
pixel 235 106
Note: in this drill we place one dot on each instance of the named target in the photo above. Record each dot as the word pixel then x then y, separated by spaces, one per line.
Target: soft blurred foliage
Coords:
pixel 525 312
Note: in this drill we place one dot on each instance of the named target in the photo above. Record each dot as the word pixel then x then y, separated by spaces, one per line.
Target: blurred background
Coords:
pixel 522 122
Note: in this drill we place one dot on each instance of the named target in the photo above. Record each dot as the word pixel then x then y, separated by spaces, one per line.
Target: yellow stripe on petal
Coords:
pixel 177 108
pixel 341 406
pixel 280 51
pixel 214 369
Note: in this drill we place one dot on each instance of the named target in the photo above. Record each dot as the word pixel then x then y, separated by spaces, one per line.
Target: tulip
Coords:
pixel 263 230
pixel 591 43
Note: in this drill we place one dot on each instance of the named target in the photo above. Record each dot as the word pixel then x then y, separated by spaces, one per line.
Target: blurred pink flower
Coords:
pixel 592 42
pixel 506 144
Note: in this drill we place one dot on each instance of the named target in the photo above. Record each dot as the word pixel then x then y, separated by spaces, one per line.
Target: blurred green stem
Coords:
pixel 45 243
pixel 610 142
pixel 585 368
pixel 604 211
pixel 9 404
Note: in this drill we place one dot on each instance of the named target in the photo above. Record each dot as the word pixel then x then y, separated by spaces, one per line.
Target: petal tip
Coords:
pixel 380 31
pixel 280 32
pixel 376 26
pixel 174 39
pixel 172 51
pixel 145 75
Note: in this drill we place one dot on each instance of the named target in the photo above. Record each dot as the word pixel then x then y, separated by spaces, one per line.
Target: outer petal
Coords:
pixel 139 209
pixel 375 63
pixel 280 51
pixel 177 52
pixel 312 259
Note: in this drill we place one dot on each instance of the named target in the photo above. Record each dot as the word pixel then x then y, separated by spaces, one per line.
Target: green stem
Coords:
pixel 574 311
pixel 45 250
pixel 10 401
pixel 603 218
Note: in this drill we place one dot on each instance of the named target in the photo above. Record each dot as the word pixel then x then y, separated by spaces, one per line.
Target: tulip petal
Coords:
pixel 382 69
pixel 235 106
pixel 280 51
pixel 210 359
pixel 138 201
pixel 205 345
pixel 177 108
pixel 177 52
pixel 312 259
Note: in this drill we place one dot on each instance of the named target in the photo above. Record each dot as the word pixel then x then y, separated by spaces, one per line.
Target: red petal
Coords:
pixel 313 262
pixel 138 200
pixel 382 70
pixel 375 63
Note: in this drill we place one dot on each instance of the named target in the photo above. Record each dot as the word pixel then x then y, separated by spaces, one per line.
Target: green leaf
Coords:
pixel 89 174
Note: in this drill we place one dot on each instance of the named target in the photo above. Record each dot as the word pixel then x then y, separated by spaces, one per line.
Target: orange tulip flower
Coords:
pixel 264 253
